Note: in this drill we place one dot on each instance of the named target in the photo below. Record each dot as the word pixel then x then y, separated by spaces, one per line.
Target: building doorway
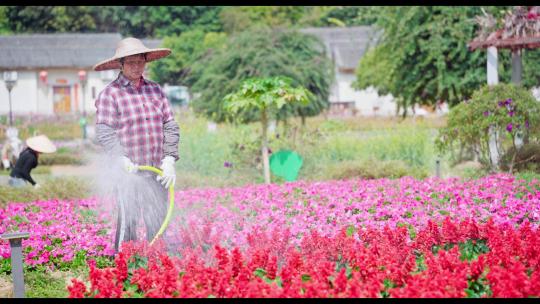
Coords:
pixel 62 99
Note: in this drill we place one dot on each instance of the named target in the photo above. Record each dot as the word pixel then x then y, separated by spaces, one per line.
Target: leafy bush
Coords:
pixel 59 159
pixel 526 159
pixel 373 169
pixel 508 110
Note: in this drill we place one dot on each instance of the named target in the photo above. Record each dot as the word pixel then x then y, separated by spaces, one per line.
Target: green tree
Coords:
pixel 262 52
pixel 137 21
pixel 339 15
pixel 265 96
pixel 50 19
pixel 187 48
pixel 424 52
pixel 4 21
pixel 240 18
pixel 157 21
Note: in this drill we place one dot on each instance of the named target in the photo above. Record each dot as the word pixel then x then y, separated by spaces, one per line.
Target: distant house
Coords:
pixel 48 68
pixel 345 46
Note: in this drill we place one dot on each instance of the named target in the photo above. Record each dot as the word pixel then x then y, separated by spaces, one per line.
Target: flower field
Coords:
pixel 355 238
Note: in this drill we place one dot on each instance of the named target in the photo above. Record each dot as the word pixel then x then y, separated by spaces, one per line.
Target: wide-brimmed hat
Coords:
pixel 41 144
pixel 127 47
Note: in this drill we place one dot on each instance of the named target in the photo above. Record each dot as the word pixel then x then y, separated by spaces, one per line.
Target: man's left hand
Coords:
pixel 169 175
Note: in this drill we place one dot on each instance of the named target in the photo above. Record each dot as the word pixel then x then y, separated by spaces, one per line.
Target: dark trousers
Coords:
pixel 141 193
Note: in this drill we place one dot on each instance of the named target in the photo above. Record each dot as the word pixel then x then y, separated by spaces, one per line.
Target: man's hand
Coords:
pixel 37 186
pixel 169 175
pixel 129 166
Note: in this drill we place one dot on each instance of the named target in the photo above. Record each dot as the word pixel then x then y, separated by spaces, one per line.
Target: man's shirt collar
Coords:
pixel 123 81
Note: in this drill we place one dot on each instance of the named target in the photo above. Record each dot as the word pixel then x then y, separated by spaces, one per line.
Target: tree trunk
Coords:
pixel 266 164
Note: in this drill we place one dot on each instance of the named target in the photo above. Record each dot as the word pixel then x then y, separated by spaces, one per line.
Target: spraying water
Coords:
pixel 195 222
pixel 139 197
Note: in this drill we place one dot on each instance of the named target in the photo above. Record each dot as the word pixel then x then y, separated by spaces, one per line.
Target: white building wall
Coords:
pixel 32 96
pixel 22 94
pixel 368 102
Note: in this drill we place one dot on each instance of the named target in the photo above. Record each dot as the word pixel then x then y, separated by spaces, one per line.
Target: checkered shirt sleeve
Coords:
pixel 107 109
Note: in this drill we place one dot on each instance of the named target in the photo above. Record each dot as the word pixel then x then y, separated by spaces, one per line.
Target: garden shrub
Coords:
pixel 526 159
pixel 59 159
pixel 373 169
pixel 508 109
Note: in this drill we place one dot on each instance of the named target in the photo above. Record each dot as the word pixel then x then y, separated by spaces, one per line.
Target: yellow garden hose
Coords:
pixel 171 202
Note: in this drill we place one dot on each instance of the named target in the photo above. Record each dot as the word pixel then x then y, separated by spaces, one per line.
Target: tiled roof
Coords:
pixel 81 50
pixel 346 45
pixel 29 51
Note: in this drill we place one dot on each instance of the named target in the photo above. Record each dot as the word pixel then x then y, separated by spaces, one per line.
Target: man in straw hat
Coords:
pixel 135 122
pixel 28 160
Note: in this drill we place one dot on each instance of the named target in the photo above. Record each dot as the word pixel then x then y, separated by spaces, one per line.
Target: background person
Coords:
pixel 28 160
pixel 11 149
pixel 135 122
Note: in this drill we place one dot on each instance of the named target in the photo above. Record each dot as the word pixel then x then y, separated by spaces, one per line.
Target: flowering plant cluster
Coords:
pixel 58 230
pixel 505 111
pixel 452 259
pixel 204 217
pixel 370 238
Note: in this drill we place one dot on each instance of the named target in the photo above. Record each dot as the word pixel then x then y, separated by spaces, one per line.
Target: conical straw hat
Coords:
pixel 41 144
pixel 127 47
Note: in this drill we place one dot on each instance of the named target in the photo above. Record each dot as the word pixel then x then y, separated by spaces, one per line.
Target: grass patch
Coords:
pixel 52 188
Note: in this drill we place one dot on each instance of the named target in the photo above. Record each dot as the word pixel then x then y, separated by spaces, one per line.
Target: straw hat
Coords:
pixel 127 47
pixel 41 144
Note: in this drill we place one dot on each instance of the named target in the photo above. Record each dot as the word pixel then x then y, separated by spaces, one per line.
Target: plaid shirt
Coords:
pixel 138 115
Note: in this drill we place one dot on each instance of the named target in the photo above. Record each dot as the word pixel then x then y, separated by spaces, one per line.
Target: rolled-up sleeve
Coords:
pixel 168 114
pixel 171 138
pixel 171 131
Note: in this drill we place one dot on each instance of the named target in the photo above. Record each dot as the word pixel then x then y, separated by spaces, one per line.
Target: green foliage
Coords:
pixel 41 284
pixel 508 109
pixel 373 169
pixel 187 48
pixel 58 188
pixel 202 152
pixel 263 53
pixel 528 177
pixel 240 18
pixel 422 57
pixel 163 21
pixel 341 16
pixel 478 288
pixel 264 95
pixel 4 21
pixel 526 159
pixel 137 21
pixel 156 21
pixel 412 146
pixel 50 19
pixel 59 159
pixel 376 69
pixel 471 249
